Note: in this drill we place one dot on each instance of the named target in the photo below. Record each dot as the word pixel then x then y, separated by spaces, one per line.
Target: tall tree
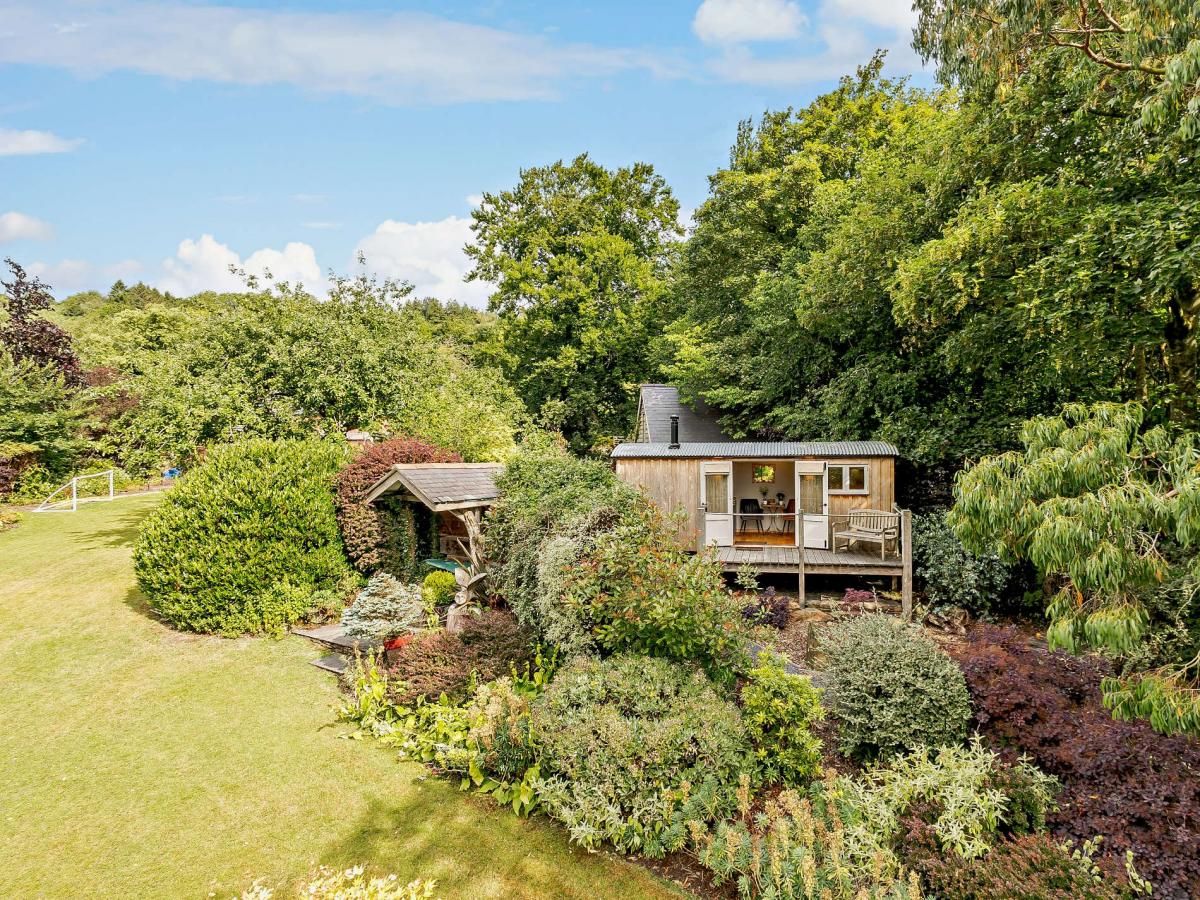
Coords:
pixel 577 253
pixel 30 337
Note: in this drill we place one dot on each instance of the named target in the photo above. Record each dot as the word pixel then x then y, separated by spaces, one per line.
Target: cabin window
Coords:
pixel 764 474
pixel 848 479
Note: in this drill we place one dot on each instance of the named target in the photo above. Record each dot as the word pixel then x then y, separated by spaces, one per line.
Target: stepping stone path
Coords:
pixel 333 637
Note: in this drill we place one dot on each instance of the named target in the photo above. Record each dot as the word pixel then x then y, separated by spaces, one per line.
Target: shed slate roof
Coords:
pixel 753 449
pixel 661 401
pixel 442 485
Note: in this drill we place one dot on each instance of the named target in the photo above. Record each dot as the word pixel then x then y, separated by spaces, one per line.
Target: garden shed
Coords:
pixel 809 507
pixel 456 493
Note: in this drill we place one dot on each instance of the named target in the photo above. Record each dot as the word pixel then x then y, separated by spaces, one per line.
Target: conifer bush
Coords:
pixel 244 540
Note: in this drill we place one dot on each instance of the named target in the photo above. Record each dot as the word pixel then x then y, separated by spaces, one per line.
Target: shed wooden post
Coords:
pixel 803 597
pixel 906 590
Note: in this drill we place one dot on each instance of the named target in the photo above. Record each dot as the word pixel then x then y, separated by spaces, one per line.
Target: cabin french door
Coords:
pixel 812 503
pixel 716 502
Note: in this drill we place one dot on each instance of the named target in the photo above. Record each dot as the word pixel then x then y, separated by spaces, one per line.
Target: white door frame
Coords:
pixel 718 527
pixel 814 527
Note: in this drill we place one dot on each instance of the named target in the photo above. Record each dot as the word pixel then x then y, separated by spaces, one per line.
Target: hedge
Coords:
pixel 243 541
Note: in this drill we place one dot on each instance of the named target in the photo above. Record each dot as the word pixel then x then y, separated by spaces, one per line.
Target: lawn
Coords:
pixel 139 762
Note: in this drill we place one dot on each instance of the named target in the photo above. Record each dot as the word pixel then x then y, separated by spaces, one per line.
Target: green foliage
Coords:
pixel 962 787
pixel 352 884
pixel 780 710
pixel 893 690
pixel 282 364
pixel 38 423
pixel 952 575
pixel 384 609
pixel 577 253
pixel 1112 509
pixel 643 594
pixel 798 846
pixel 439 588
pixel 244 540
pixel 621 741
pixel 1139 57
pixel 366 705
pixel 551 507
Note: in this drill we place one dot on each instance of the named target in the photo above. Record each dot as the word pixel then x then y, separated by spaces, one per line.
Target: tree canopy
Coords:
pixel 578 254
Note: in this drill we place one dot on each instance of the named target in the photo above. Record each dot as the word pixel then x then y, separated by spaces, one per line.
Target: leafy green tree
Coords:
pixel 1109 507
pixel 577 253
pixel 1144 54
pixel 38 420
pixel 281 364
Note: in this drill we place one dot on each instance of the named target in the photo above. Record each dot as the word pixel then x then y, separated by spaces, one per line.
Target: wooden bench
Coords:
pixel 868 526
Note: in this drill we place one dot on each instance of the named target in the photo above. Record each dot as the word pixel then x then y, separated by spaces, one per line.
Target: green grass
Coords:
pixel 140 762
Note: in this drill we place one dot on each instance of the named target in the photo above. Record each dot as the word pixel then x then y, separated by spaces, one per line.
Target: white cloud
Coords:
pixel 15 226
pixel 739 21
pixel 29 143
pixel 403 57
pixel 70 275
pixel 65 276
pixel 474 200
pixel 203 265
pixel 429 254
pixel 841 36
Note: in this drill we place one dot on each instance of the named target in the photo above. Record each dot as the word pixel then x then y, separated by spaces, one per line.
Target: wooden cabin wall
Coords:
pixel 881 486
pixel 674 485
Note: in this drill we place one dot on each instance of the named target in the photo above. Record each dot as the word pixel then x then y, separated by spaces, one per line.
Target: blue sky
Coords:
pixel 164 141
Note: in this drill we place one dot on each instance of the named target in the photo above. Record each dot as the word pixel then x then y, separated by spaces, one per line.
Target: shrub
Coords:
pixel 645 595
pixel 892 689
pixel 952 575
pixel 780 710
pixel 1031 865
pixel 798 845
pixel 384 608
pixel 960 790
pixel 621 741
pixel 245 539
pixel 1137 788
pixel 9 518
pixel 351 884
pixel 768 608
pixel 551 507
pixel 438 589
pixel 390 535
pixel 442 663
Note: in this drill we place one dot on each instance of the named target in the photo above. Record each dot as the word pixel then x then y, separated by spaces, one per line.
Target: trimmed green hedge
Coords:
pixel 241 544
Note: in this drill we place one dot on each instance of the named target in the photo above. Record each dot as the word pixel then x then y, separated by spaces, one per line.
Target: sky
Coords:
pixel 164 142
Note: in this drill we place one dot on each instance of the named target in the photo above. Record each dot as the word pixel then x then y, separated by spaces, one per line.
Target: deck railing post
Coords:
pixel 906 591
pixel 800 548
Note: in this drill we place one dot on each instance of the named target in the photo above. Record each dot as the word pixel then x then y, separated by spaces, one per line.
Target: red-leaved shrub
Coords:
pixel 442 663
pixel 381 536
pixel 1029 865
pixel 1122 780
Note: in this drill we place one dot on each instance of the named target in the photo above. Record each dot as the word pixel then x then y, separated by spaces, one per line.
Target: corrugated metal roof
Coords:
pixel 442 484
pixel 754 449
pixel 661 401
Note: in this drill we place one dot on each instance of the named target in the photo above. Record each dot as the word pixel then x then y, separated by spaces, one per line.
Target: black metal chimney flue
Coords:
pixel 674 433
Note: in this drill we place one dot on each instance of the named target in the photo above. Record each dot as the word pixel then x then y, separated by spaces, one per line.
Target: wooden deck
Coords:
pixel 816 562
